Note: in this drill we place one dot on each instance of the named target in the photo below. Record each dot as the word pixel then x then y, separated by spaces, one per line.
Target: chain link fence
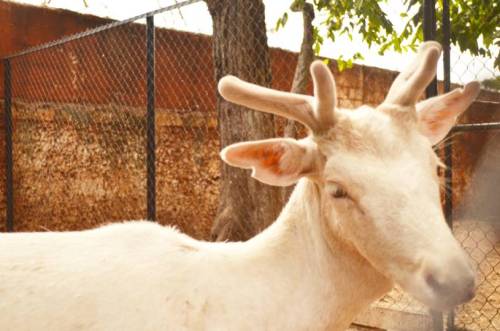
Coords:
pixel 476 213
pixel 79 131
pixel 86 150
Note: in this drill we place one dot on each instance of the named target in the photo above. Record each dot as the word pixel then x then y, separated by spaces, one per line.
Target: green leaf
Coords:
pixel 471 20
pixel 281 22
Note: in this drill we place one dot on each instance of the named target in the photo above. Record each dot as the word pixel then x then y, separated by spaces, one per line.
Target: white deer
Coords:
pixel 365 214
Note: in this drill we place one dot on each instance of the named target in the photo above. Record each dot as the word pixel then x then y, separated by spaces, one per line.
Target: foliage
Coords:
pixel 47 2
pixel 493 83
pixel 475 25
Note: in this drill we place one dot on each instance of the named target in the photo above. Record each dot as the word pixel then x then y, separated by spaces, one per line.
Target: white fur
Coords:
pixel 142 276
pixel 326 258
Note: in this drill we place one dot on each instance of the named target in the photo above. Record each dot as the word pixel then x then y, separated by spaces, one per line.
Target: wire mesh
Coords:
pixel 476 213
pixel 187 134
pixel 79 131
pixel 475 161
pixel 466 67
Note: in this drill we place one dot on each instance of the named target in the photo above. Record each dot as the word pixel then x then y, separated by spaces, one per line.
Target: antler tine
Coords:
pixel 290 105
pixel 324 91
pixel 410 83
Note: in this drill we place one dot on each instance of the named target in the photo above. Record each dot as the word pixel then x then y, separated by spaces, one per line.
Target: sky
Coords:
pixel 195 18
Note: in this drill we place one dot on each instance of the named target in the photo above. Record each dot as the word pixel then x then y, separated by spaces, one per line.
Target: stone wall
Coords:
pixel 77 167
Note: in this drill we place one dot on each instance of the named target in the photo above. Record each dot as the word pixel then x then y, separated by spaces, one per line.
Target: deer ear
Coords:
pixel 437 115
pixel 278 162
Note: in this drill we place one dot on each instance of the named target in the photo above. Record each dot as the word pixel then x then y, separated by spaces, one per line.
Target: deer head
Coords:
pixel 375 170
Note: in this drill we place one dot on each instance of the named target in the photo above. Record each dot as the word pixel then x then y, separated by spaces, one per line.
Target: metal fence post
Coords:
pixel 429 26
pixel 9 188
pixel 448 147
pixel 448 204
pixel 150 119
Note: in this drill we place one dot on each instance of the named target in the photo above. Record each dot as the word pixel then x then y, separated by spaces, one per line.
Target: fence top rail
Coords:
pixel 99 29
pixel 476 127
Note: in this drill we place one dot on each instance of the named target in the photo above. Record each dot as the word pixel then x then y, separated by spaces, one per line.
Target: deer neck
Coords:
pixel 327 274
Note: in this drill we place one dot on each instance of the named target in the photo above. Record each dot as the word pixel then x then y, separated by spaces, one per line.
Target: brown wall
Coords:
pixel 23 26
pixel 79 149
pixel 76 167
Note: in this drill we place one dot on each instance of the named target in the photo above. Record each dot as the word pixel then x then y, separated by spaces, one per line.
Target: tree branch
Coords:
pixel 306 57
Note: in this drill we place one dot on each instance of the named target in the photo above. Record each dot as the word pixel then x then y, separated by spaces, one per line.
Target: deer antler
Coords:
pixel 315 113
pixel 410 83
pixel 324 91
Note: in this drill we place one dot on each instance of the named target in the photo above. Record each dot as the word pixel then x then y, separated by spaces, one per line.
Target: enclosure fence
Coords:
pixel 119 122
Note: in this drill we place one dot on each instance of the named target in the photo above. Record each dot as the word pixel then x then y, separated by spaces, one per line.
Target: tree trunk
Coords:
pixel 301 75
pixel 246 206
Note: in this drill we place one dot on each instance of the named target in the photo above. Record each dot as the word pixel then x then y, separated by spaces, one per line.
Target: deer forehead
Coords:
pixel 369 144
pixel 369 171
pixel 371 132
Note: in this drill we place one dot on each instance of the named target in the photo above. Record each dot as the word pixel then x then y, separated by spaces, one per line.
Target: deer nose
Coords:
pixel 454 292
pixel 453 282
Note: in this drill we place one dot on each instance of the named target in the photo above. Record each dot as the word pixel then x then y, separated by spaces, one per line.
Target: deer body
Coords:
pixel 142 276
pixel 365 214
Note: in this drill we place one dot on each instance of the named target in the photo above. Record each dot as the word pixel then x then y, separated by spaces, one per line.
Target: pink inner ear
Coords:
pixel 266 156
pixel 279 162
pixel 436 124
pixel 439 114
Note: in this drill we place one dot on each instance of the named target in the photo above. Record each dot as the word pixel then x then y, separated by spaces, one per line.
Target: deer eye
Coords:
pixel 336 191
